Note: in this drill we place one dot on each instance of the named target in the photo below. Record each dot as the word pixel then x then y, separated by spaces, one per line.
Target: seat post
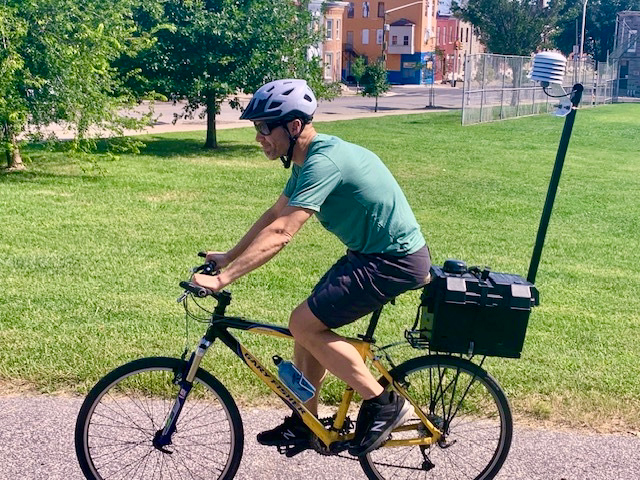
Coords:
pixel 373 323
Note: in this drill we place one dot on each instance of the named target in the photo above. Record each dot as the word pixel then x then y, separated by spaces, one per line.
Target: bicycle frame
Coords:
pixel 218 328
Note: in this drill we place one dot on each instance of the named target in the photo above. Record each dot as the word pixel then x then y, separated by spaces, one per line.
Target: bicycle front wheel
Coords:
pixel 120 416
pixel 465 403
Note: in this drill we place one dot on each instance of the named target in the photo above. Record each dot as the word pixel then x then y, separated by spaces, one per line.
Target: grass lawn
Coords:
pixel 91 252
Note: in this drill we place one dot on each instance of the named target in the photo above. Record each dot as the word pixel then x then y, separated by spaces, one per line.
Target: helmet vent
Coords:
pixel 271 88
pixel 308 98
pixel 275 104
pixel 288 91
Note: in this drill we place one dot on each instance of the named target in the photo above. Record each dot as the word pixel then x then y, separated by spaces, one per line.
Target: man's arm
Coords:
pixel 268 217
pixel 261 247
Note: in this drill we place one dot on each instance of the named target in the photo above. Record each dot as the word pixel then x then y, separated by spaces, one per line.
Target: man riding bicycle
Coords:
pixel 356 198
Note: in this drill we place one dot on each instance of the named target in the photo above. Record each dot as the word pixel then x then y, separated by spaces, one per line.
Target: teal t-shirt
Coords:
pixel 355 196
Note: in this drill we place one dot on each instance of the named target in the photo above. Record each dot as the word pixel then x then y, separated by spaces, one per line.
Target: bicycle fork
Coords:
pixel 162 438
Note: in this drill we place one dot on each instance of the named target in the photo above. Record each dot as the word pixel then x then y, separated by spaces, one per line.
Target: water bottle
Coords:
pixel 294 379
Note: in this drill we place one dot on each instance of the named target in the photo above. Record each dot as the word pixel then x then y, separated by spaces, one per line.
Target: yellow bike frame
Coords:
pixel 218 329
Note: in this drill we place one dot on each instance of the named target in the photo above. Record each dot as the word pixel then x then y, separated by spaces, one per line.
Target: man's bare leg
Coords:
pixel 332 352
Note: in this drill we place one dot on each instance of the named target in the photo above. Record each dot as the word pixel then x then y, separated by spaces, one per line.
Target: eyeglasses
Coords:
pixel 265 128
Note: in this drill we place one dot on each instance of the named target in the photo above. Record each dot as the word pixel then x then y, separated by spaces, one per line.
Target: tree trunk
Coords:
pixel 14 159
pixel 375 110
pixel 211 141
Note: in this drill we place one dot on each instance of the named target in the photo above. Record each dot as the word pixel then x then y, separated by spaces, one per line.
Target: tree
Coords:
pixel 600 25
pixel 12 105
pixel 374 81
pixel 212 50
pixel 357 70
pixel 56 67
pixel 509 27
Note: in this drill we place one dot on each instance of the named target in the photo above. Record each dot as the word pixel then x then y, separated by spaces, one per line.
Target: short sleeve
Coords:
pixel 317 178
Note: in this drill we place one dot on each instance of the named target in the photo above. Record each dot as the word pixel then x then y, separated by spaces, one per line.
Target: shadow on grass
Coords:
pixel 37 176
pixel 163 146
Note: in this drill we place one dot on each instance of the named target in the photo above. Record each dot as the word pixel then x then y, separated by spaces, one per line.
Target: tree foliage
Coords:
pixel 56 61
pixel 600 25
pixel 509 27
pixel 208 51
pixel 374 81
pixel 357 69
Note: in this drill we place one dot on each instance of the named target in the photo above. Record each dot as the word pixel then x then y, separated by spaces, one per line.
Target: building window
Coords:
pixel 394 40
pixel 328 66
pixel 438 36
pixel 329 29
pixel 379 36
pixel 365 10
pixel 406 40
pixel 467 34
pixel 350 38
pixel 351 9
pixel 450 34
pixel 381 9
pixel 337 29
pixel 632 45
pixel 365 36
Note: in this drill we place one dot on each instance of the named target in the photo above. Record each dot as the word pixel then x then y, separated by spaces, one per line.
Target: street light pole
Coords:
pixel 584 15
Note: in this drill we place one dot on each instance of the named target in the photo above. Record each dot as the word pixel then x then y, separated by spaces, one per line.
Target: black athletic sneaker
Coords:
pixel 292 432
pixel 376 421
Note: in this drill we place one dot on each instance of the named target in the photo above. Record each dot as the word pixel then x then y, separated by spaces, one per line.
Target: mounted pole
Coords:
pixel 576 96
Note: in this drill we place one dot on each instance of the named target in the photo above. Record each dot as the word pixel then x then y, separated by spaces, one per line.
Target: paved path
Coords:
pixel 36 443
pixel 401 99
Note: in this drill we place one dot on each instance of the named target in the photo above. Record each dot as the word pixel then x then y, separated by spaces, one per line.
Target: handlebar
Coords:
pixel 207 268
pixel 197 290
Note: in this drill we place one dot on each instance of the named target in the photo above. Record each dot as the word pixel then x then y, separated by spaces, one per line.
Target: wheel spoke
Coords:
pixel 116 426
pixel 466 404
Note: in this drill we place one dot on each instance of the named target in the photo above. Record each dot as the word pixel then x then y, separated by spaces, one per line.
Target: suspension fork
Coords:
pixel 162 438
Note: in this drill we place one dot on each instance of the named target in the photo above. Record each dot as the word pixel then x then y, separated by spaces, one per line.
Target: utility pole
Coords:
pixel 584 15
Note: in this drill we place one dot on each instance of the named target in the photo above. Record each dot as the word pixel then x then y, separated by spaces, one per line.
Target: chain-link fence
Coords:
pixel 497 87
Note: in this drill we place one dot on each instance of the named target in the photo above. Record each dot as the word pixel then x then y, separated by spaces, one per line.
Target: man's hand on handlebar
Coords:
pixel 213 283
pixel 209 277
pixel 221 259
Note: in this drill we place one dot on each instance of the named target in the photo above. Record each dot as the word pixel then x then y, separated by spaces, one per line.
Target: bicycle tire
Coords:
pixel 122 412
pixel 478 425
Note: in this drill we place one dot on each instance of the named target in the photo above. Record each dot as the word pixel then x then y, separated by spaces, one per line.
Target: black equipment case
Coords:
pixel 473 311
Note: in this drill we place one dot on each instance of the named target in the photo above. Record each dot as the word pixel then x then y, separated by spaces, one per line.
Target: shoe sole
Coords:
pixel 284 443
pixel 405 414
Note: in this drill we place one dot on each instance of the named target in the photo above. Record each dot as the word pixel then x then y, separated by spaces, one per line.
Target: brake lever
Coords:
pixel 183 296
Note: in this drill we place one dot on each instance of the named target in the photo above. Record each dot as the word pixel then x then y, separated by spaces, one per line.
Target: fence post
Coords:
pixel 484 76
pixel 504 74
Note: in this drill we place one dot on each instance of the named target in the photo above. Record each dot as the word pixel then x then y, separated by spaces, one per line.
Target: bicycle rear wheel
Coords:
pixel 120 416
pixel 464 402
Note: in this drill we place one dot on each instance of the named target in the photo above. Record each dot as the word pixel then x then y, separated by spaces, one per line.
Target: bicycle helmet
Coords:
pixel 280 102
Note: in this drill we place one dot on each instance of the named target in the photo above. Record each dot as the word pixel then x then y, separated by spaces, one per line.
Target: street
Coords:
pixel 401 99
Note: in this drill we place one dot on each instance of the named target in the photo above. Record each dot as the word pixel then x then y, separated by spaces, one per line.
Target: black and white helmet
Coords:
pixel 281 100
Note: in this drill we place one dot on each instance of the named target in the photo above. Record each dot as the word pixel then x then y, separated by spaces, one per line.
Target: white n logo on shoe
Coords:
pixel 288 435
pixel 378 426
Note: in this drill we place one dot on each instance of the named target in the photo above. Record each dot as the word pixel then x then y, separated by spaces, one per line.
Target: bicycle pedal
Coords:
pixel 292 450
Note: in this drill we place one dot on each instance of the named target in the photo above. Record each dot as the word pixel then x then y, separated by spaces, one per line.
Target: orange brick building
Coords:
pixel 400 31
pixel 454 38
pixel 332 47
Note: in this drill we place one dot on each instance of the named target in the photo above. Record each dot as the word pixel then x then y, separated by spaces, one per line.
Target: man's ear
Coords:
pixel 295 127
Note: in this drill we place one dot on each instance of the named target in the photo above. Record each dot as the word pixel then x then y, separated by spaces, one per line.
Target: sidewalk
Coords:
pixel 400 100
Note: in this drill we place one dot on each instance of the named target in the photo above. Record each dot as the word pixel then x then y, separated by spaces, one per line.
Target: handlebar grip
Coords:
pixel 202 254
pixel 197 290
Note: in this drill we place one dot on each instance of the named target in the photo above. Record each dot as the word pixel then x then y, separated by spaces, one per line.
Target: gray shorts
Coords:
pixel 358 284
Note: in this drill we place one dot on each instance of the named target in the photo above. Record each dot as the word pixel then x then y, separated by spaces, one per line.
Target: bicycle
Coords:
pixel 163 417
